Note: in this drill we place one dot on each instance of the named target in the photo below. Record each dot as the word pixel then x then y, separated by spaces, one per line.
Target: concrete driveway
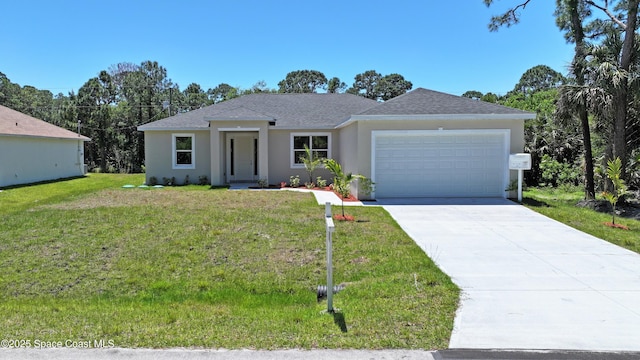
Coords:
pixel 528 282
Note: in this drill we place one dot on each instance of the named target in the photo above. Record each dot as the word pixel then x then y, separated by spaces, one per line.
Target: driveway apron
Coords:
pixel 528 282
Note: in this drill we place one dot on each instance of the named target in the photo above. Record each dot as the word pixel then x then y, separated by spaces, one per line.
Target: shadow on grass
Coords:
pixel 338 319
pixel 52 181
pixel 534 202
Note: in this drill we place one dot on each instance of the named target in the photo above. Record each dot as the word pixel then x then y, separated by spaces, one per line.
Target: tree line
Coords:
pixel 119 99
pixel 109 107
pixel 601 97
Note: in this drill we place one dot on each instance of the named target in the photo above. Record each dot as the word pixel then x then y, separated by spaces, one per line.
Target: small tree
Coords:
pixel 341 180
pixel 311 162
pixel 614 173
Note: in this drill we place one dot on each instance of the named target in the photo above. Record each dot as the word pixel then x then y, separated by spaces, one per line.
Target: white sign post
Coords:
pixel 520 162
pixel 330 228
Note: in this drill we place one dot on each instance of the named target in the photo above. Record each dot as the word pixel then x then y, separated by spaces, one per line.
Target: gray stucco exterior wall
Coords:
pixel 25 159
pixel 159 158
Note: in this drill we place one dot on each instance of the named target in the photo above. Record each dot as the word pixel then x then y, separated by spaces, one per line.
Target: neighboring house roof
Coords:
pixel 318 111
pixel 289 111
pixel 15 123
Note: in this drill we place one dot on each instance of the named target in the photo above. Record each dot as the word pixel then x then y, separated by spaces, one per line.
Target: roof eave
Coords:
pixel 274 127
pixel 222 118
pixel 306 128
pixel 173 128
pixel 81 137
pixel 435 117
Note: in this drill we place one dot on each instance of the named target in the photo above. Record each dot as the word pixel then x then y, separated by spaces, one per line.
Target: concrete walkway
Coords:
pixel 323 197
pixel 528 282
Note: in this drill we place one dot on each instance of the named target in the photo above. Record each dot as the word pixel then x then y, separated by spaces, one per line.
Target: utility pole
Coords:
pixel 170 98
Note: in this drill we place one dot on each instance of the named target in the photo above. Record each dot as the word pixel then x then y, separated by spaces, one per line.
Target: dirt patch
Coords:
pixel 124 197
pixel 295 256
pixel 170 198
pixel 360 260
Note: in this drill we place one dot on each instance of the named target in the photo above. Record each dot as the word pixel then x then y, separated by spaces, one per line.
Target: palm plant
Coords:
pixel 341 180
pixel 311 162
pixel 614 170
pixel 603 78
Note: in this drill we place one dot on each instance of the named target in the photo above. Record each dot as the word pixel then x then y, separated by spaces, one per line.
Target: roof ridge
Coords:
pixel 429 102
pixel 242 106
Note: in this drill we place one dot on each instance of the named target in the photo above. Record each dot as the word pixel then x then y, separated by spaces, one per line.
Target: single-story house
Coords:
pixel 33 150
pixel 420 144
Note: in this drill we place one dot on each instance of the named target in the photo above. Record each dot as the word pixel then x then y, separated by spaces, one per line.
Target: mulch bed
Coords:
pixel 618 226
pixel 346 217
pixel 629 209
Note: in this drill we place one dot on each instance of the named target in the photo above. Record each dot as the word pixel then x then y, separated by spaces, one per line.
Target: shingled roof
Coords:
pixel 325 111
pixel 428 102
pixel 288 111
pixel 15 123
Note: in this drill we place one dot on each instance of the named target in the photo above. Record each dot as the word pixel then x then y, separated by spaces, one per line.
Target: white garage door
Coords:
pixel 440 163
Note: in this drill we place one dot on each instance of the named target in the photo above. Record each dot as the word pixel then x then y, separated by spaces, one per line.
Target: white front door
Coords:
pixel 242 156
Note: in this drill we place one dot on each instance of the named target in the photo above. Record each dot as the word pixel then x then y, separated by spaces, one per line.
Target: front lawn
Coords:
pixel 23 197
pixel 87 260
pixel 561 205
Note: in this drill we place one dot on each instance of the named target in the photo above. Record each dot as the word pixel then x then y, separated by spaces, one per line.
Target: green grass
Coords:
pixel 23 197
pixel 561 205
pixel 195 267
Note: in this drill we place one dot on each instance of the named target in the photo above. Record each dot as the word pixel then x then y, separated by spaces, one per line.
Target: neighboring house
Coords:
pixel 420 144
pixel 32 150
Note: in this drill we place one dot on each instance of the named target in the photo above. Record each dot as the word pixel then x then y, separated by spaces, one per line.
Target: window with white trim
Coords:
pixel 318 143
pixel 183 148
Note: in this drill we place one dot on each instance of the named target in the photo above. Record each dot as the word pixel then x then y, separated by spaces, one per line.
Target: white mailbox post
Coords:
pixel 520 162
pixel 330 228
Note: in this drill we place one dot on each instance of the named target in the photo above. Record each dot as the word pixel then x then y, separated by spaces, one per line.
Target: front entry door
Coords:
pixel 242 156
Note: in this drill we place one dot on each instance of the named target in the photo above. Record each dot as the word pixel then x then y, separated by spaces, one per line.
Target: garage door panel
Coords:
pixel 463 152
pixel 441 163
pixel 444 165
pixel 447 152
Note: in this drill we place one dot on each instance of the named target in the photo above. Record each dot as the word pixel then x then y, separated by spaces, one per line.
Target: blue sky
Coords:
pixel 440 45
